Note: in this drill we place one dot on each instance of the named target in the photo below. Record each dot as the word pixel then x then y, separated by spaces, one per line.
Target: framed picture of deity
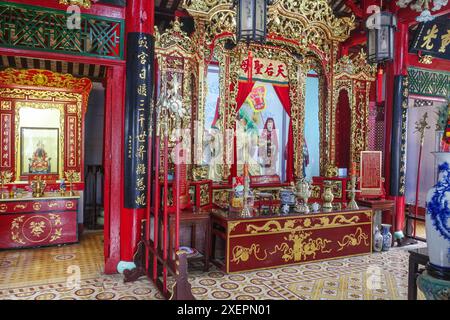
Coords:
pixel 39 151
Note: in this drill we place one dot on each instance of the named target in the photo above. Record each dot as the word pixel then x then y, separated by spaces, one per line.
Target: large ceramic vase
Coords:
pixel 438 216
pixel 387 236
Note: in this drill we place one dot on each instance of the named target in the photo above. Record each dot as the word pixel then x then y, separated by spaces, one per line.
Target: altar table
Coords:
pixel 35 222
pixel 268 241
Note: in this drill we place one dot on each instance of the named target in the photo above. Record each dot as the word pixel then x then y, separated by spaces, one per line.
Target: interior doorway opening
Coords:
pixel 93 217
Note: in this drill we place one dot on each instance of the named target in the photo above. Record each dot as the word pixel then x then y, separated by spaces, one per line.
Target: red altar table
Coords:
pixel 36 222
pixel 268 241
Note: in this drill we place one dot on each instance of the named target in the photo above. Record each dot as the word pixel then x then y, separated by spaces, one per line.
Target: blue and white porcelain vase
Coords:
pixel 438 215
pixel 377 240
pixel 387 236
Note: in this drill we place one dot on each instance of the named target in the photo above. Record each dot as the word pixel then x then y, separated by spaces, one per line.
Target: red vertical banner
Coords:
pixel 5 136
pixel 370 173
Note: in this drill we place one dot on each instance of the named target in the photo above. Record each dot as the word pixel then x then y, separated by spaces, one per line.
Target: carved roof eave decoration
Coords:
pixel 36 78
pixel 174 39
pixel 355 68
pixel 297 20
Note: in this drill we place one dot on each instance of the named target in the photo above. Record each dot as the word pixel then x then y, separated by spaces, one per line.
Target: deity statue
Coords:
pixel 247 144
pixel 39 163
pixel 268 148
pixel 213 152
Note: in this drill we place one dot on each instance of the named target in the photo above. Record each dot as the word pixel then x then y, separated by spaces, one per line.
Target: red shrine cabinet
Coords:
pixel 42 134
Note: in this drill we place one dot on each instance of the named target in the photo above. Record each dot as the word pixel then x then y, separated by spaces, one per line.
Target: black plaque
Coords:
pixel 433 38
pixel 139 98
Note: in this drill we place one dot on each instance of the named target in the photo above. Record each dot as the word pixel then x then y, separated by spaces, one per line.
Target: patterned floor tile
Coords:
pixel 46 274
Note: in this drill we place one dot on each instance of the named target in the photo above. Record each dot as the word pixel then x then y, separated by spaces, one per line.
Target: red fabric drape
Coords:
pixel 244 89
pixel 283 95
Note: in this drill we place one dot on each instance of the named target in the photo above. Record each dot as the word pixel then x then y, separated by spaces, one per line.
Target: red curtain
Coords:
pixel 244 90
pixel 283 95
pixel 343 132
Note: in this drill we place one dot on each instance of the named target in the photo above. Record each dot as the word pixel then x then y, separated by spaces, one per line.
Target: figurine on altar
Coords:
pixel 268 148
pixel 39 163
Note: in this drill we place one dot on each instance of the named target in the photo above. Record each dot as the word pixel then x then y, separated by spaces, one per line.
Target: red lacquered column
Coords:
pixel 395 134
pixel 140 66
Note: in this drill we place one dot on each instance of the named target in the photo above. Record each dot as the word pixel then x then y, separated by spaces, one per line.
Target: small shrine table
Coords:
pixel 268 241
pixel 383 205
pixel 36 222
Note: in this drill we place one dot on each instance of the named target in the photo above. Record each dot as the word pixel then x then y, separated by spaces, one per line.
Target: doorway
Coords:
pixel 93 217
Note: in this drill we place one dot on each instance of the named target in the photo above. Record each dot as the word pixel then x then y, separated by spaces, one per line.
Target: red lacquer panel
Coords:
pixel 37 229
pixel 272 242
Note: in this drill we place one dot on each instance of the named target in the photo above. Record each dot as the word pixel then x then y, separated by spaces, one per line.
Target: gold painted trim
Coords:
pixel 300 229
pixel 40 106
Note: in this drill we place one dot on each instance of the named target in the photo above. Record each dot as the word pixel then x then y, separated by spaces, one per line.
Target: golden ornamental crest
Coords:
pixel 81 3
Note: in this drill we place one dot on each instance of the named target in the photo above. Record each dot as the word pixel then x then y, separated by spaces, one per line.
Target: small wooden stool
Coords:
pixel 193 219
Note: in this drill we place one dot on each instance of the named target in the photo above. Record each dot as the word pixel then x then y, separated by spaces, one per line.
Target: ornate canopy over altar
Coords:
pixel 302 36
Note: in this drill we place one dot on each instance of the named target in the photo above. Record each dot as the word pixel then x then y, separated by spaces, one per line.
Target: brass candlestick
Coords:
pixel 70 176
pixel 352 205
pixel 38 187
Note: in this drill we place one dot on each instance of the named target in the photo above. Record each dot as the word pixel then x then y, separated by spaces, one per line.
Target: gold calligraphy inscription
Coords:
pixel 431 35
pixel 353 239
pixel 445 41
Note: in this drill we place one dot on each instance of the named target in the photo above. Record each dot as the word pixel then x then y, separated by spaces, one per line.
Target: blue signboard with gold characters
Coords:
pixel 433 38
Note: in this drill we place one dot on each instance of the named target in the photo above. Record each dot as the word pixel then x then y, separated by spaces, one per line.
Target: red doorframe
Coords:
pixel 112 161
pixel 113 141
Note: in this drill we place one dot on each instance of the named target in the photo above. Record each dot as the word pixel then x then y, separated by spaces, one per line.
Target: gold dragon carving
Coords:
pixel 353 240
pixel 293 225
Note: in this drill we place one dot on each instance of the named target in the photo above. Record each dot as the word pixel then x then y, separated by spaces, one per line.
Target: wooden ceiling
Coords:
pixel 165 10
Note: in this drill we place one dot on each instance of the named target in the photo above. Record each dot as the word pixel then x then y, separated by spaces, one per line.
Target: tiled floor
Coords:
pixel 75 272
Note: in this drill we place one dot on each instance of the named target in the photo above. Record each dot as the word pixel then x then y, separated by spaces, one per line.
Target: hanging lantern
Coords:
pixel 251 20
pixel 380 37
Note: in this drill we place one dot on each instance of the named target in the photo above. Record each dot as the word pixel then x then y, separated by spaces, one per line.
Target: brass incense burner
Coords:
pixel 38 187
pixel 303 191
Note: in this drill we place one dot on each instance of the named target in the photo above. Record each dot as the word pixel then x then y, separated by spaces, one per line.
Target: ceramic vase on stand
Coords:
pixel 377 240
pixel 387 236
pixel 437 218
